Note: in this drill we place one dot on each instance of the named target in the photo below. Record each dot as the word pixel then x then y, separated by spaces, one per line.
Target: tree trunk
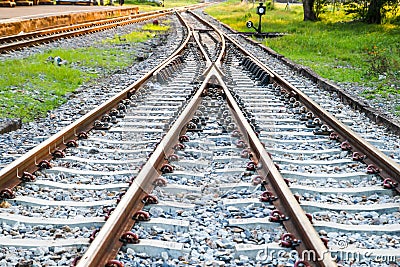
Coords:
pixel 374 14
pixel 308 10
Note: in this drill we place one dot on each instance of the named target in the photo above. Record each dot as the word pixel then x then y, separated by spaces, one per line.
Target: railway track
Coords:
pixel 355 198
pixel 182 176
pixel 18 41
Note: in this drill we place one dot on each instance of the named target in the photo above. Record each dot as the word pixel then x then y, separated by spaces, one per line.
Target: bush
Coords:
pixel 320 7
pixel 357 8
pixel 380 62
pixel 391 11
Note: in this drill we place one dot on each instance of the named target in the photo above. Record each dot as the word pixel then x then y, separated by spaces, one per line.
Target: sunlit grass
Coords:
pixel 148 31
pixel 135 37
pixel 145 6
pixel 154 27
pixel 30 87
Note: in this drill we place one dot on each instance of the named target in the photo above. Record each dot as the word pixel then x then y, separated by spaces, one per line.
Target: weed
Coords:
pixel 383 91
pixel 247 15
pixel 156 28
pixel 381 62
pixel 397 110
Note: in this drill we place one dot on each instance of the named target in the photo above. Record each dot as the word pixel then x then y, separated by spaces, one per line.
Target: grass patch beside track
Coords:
pixel 32 86
pixel 145 6
pixel 336 47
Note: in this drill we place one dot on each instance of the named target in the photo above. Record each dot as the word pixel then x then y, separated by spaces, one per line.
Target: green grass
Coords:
pixel 145 6
pixel 397 110
pixel 336 47
pixel 148 31
pixel 30 87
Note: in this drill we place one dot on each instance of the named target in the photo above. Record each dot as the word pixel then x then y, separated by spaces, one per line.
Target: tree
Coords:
pixel 372 11
pixel 308 8
pixel 378 10
pixel 374 14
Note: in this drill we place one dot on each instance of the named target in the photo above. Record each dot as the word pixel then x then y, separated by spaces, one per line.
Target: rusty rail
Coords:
pixel 19 41
pixel 105 245
pixel 237 45
pixel 298 224
pixel 99 251
pixel 9 175
pixel 388 167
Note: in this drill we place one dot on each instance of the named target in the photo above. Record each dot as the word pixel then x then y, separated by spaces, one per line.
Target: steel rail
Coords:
pixel 237 45
pixel 221 56
pixel 120 220
pixel 203 52
pixel 10 175
pixel 388 167
pixel 175 55
pixel 105 245
pixel 57 29
pixel 298 224
pixel 76 31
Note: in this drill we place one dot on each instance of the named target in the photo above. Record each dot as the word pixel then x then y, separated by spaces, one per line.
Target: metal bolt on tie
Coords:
pixel 150 199
pixel 166 168
pixel 357 156
pixel 345 146
pixel 141 215
pixel 59 154
pixel 267 196
pixel 114 263
pixel 257 180
pixel 288 240
pixel 372 169
pixel 7 193
pixel 93 235
pixel 173 157
pixel 129 238
pixel 160 181
pixel 44 164
pixel 388 183
pixel 277 216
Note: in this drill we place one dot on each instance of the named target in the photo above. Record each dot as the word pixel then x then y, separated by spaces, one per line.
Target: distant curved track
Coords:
pixel 15 42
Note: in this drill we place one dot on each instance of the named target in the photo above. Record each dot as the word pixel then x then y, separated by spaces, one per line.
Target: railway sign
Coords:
pixel 260 11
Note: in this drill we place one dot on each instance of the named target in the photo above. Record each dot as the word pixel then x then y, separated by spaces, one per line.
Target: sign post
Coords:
pixel 260 11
